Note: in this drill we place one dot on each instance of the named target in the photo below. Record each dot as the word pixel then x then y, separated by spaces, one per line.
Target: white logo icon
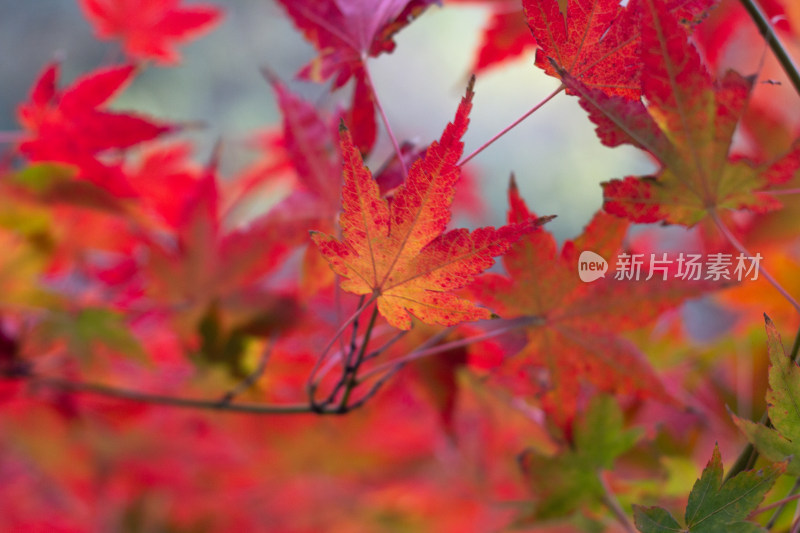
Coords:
pixel 591 266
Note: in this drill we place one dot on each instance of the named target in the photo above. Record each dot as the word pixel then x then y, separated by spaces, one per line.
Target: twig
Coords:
pixel 774 43
pixel 159 399
pixel 311 384
pixel 350 376
pixel 511 126
pixel 740 247
pixel 377 386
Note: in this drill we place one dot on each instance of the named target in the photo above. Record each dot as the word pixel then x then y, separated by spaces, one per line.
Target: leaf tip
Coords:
pixel 540 221
pixel 512 183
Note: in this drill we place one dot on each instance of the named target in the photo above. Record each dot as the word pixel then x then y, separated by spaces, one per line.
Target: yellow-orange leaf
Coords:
pixel 399 253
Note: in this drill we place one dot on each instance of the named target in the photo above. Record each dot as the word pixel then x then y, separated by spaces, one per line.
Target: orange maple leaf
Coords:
pixel 399 253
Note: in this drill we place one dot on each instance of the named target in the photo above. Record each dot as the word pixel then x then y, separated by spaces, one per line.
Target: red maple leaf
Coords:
pixel 687 125
pixel 573 331
pixel 398 253
pixel 150 29
pixel 346 32
pixel 598 41
pixel 504 36
pixel 69 126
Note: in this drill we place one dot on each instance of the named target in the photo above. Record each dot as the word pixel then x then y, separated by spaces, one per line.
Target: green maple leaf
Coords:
pixel 782 440
pixel 714 506
pixel 566 481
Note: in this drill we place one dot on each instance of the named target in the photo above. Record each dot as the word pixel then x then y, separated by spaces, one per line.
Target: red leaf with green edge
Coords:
pixel 715 505
pixel 598 42
pixel 69 126
pixel 150 29
pixel 687 125
pixel 575 329
pixel 399 253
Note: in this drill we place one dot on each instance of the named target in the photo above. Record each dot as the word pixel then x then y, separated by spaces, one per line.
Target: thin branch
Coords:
pixel 512 125
pixel 159 399
pixel 350 376
pixel 739 246
pixel 251 379
pixel 774 43
pixel 377 386
pixel 311 385
pixel 613 505
pixel 384 118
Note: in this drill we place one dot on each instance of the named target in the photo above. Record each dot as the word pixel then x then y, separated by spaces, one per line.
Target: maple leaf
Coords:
pixel 346 32
pixel 687 125
pixel 564 481
pixel 714 505
pixel 309 140
pixel 782 440
pixel 399 253
pixel 505 34
pixel 149 29
pixel 68 126
pixel 573 328
pixel 598 41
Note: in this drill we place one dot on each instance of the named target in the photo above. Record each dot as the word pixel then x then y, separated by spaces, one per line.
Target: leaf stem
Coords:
pixel 613 505
pixel 421 352
pixel 783 191
pixel 780 505
pixel 9 137
pixel 774 43
pixel 384 118
pixel 511 126
pixel 740 247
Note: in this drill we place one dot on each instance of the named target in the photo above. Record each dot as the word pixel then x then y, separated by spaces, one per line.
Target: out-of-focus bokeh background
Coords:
pixel 554 154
